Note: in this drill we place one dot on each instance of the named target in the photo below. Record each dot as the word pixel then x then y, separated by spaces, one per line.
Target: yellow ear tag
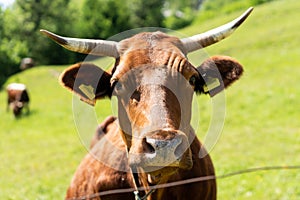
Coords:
pixel 88 90
pixel 211 83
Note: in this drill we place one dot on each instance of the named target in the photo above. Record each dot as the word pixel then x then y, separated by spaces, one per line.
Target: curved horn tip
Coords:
pixel 215 35
pixel 243 17
pixel 250 9
pixel 45 32
pixel 247 12
pixel 58 39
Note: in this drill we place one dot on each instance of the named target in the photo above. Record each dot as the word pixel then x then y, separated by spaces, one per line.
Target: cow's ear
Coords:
pixel 217 73
pixel 88 81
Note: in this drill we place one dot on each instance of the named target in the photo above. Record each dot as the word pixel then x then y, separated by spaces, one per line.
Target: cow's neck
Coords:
pixel 140 181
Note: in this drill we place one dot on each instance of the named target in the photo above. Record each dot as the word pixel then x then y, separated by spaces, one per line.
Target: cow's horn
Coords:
pixel 215 35
pixel 86 46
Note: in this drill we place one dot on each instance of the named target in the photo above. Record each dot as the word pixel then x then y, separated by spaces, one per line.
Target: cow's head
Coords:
pixel 17 107
pixel 154 84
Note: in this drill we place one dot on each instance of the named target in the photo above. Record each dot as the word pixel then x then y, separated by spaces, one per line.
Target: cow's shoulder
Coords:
pixel 106 163
pixel 99 177
pixel 107 126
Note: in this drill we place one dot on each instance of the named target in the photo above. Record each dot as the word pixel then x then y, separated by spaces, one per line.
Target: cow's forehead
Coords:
pixel 151 41
pixel 150 49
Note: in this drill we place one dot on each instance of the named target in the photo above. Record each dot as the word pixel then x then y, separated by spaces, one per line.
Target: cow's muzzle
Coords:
pixel 162 148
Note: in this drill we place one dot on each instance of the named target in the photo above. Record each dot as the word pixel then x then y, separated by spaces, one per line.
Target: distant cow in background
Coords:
pixel 17 98
pixel 26 63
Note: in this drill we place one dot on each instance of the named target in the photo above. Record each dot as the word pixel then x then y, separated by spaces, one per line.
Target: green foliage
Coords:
pixel 20 36
pixel 40 152
pixel 11 51
pixel 103 18
pixel 179 14
pixel 179 20
pixel 146 13
pixel 37 14
pixel 1 23
pixel 258 2
pixel 20 24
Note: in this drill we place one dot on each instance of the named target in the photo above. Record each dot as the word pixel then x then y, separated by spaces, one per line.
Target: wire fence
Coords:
pixel 187 181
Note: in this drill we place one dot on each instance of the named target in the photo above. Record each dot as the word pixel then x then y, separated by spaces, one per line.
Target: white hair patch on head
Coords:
pixel 16 86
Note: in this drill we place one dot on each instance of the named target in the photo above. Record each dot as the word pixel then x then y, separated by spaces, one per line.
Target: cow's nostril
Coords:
pixel 148 147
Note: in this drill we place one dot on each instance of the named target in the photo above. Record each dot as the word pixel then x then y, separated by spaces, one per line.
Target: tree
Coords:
pixel 179 14
pixel 33 15
pixel 146 13
pixel 11 49
pixel 103 18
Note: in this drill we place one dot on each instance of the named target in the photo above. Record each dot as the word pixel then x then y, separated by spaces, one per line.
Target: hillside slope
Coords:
pixel 40 152
pixel 262 121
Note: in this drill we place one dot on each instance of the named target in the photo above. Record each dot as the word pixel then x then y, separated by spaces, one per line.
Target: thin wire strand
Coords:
pixel 187 181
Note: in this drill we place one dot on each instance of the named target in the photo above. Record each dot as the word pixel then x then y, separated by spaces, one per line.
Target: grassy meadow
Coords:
pixel 40 152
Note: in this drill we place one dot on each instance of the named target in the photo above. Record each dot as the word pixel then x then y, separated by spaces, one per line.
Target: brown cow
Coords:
pixel 17 98
pixel 27 63
pixel 151 142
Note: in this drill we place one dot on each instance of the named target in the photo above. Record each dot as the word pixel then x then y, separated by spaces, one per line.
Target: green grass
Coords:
pixel 40 153
pixel 262 120
pixel 33 148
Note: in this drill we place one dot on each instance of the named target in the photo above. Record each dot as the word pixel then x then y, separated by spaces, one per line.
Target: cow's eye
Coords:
pixel 193 80
pixel 136 96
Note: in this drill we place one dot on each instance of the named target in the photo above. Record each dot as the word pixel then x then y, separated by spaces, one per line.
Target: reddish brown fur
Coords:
pixel 159 111
pixel 101 130
pixel 92 176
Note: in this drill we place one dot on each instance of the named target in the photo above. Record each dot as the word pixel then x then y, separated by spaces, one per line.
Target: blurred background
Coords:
pixel 39 152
